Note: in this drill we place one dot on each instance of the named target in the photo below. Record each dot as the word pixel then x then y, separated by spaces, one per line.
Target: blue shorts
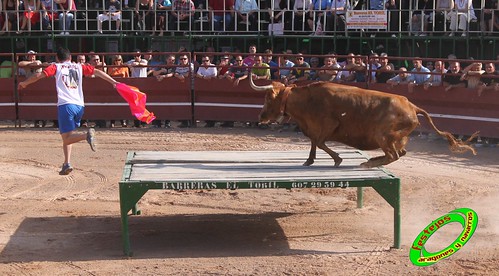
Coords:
pixel 69 116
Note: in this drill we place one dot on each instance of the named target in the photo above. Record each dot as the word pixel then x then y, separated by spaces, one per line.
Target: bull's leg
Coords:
pixel 336 157
pixel 311 155
pixel 391 154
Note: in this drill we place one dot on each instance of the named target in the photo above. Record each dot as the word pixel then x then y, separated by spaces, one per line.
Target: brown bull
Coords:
pixel 360 118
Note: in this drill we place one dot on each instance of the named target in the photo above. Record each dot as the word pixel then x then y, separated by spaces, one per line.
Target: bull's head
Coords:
pixel 272 108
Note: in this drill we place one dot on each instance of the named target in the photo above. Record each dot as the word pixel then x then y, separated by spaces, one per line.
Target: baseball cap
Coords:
pixel 31 52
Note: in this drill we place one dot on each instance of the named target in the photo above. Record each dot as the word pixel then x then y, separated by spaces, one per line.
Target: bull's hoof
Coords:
pixel 308 162
pixel 366 165
pixel 337 162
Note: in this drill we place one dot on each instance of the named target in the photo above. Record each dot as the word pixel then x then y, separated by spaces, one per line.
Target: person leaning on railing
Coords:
pixel 418 79
pixel 436 78
pixel 385 71
pixel 452 78
pixel 489 80
pixel 401 78
pixel 472 73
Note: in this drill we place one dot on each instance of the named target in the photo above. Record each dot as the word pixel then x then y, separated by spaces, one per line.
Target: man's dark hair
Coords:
pixel 63 54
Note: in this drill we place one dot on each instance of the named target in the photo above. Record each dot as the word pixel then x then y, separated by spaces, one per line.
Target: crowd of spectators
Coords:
pixel 320 17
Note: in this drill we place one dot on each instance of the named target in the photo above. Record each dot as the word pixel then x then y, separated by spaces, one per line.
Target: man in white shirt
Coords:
pixel 70 102
pixel 207 70
pixel 138 66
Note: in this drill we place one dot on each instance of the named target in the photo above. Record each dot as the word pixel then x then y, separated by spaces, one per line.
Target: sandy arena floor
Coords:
pixel 70 225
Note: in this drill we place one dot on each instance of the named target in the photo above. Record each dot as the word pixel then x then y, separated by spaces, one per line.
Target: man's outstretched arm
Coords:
pixel 36 77
pixel 106 77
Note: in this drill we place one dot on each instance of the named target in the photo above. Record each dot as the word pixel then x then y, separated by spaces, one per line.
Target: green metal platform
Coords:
pixel 194 170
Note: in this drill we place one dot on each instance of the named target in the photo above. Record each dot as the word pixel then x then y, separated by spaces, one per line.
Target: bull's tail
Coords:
pixel 455 145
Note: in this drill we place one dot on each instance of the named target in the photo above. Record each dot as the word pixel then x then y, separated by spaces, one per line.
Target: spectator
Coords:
pixel 66 8
pixel 281 13
pixel 223 68
pixel 285 62
pixel 31 15
pixel 348 74
pixel 443 9
pixel 168 70
pixel 374 64
pixel 112 12
pixel 417 78
pixel 182 11
pixel 260 70
pixel 183 72
pixel 490 79
pixel 318 15
pixel 247 13
pixel 329 70
pixel 337 21
pixel 385 70
pixel 10 7
pixel 48 12
pixel 302 16
pixel 472 74
pixel 238 71
pixel 452 78
pixel 401 78
pixel 28 68
pixel 153 61
pixel 250 59
pixel 314 65
pixel 138 65
pixel 488 15
pixel 421 17
pixel 144 14
pixel 119 71
pixel 460 16
pixel 206 70
pixel 163 7
pixel 96 62
pixel 436 78
pixel 220 14
pixel 81 59
pixel 301 70
pixel 273 65
pixel 430 66
pixel 6 69
pixel 393 8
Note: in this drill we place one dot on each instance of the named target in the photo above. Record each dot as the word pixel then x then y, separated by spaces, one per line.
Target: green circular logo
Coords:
pixel 465 216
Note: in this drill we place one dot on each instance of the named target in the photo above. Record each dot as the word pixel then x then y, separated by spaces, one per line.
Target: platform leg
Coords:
pixel 360 197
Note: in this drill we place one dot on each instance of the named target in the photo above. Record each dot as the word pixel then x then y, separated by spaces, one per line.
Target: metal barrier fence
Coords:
pixel 288 19
pixel 460 110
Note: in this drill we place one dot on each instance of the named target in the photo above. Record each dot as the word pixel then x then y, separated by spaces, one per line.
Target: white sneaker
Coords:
pixel 62 33
pixel 451 34
pixel 422 34
pixel 66 33
pixel 463 34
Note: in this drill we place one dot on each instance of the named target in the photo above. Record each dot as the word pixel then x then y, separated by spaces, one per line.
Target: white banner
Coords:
pixel 357 19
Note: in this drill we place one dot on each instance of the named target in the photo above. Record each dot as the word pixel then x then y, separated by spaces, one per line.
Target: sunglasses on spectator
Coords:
pixel 183 58
pixel 206 60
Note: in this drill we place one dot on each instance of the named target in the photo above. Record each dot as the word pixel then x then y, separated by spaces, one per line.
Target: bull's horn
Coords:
pixel 259 88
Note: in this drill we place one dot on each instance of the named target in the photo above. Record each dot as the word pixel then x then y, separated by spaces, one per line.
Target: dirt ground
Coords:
pixel 70 225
